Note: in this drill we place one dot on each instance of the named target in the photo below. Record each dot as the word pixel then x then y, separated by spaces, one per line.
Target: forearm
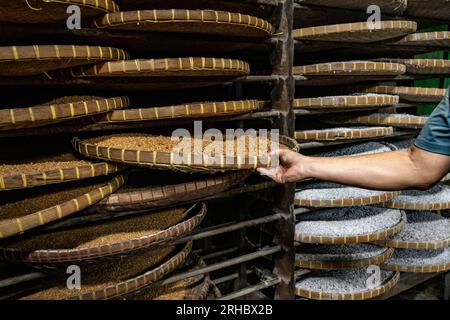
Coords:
pixel 387 171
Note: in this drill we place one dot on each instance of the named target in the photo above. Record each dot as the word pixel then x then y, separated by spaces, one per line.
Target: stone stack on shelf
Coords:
pixel 353 84
pixel 340 224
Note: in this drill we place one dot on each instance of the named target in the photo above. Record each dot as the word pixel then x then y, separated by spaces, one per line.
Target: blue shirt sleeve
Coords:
pixel 435 136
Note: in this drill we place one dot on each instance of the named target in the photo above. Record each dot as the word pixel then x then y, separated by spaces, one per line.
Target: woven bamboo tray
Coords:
pixel 358 32
pixel 435 199
pixel 44 11
pixel 30 220
pixel 175 260
pixel 387 6
pixel 358 276
pixel 419 261
pixel 351 68
pixel 168 195
pixel 187 21
pixel 368 236
pixel 192 217
pixel 413 94
pixel 188 289
pixel 346 102
pixel 425 39
pixel 425 66
pixel 60 169
pixel 165 160
pixel 424 231
pixel 348 256
pixel 54 112
pixel 194 288
pixel 33 60
pixel 320 195
pixel 334 134
pixel 192 110
pixel 382 119
pixel 169 67
pixel 434 9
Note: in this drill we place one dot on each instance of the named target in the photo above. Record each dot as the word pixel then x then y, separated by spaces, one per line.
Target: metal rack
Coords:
pixel 313 52
pixel 230 264
pixel 233 263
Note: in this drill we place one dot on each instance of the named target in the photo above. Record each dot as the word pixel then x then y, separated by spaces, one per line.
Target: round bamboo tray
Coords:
pixel 425 66
pixel 358 32
pixel 33 60
pixel 171 260
pixel 186 111
pixel 45 11
pixel 434 9
pixel 20 251
pixel 187 21
pixel 435 199
pixel 59 169
pixel 382 119
pixel 188 289
pixel 53 112
pixel 194 288
pixel 351 235
pixel 21 219
pixel 148 198
pixel 413 94
pixel 351 68
pixel 166 160
pixel 334 134
pixel 425 39
pixel 336 257
pixel 419 261
pixel 387 6
pixel 424 231
pixel 169 67
pixel 334 285
pixel 331 195
pixel 346 102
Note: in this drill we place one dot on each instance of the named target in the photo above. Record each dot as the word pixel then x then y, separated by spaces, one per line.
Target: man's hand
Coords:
pixel 290 168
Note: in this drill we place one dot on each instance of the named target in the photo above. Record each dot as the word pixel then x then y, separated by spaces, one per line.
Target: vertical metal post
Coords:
pixel 282 100
pixel 446 286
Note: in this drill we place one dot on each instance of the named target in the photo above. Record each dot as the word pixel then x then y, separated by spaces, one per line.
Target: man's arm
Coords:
pixel 398 170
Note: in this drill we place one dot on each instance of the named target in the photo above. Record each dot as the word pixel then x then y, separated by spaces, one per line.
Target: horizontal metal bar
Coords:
pixel 274 280
pixel 228 228
pixel 218 266
pixel 21 279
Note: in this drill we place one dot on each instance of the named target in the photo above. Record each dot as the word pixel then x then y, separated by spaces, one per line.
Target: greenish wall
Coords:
pixel 432 83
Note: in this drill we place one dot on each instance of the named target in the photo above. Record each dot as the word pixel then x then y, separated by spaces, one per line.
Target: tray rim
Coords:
pixel 330 135
pixel 9 117
pixel 343 102
pixel 132 284
pixel 368 294
pixel 370 237
pixel 15 181
pixel 310 33
pixel 106 23
pixel 182 111
pixel 57 212
pixel 335 203
pixel 184 65
pixel 335 265
pixel 121 248
pixel 136 156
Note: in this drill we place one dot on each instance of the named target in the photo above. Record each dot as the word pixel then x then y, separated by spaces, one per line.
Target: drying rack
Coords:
pixel 264 271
